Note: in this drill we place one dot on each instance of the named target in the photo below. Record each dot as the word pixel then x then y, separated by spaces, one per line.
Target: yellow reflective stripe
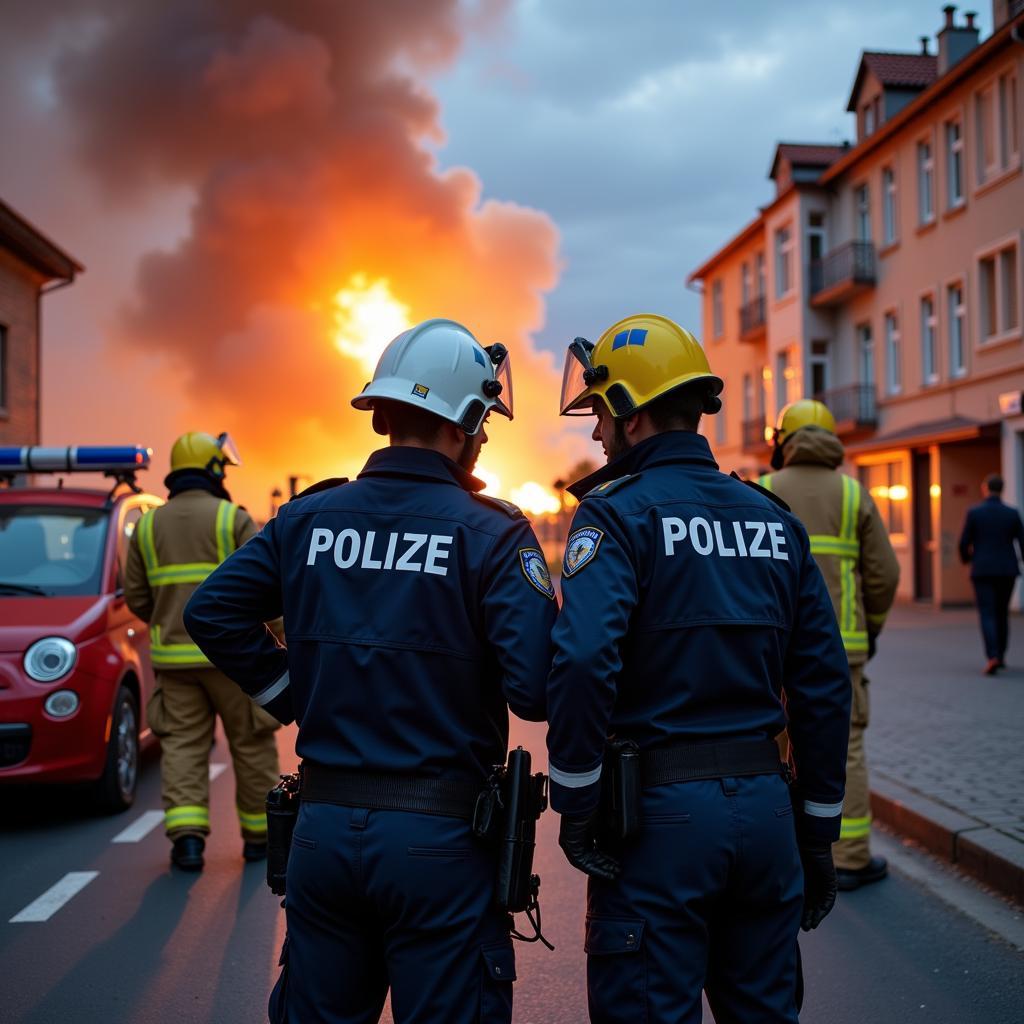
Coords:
pixel 855 828
pixel 169 655
pixel 252 822
pixel 877 619
pixel 146 543
pixel 847 563
pixel 184 572
pixel 824 544
pixel 766 481
pixel 187 816
pixel 854 641
pixel 225 529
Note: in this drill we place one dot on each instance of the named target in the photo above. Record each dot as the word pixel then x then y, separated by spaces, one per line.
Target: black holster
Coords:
pixel 506 813
pixel 282 813
pixel 621 790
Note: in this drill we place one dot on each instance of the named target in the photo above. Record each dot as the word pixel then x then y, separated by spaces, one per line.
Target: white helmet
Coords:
pixel 439 366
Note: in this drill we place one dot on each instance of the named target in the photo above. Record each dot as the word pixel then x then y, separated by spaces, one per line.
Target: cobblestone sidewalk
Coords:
pixel 946 744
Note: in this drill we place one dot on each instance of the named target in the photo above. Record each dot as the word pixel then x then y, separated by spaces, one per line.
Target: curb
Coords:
pixel 991 857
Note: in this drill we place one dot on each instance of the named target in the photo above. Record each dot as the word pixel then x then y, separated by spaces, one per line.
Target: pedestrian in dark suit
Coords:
pixel 987 543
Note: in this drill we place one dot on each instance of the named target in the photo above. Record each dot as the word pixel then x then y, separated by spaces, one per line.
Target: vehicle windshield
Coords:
pixel 51 549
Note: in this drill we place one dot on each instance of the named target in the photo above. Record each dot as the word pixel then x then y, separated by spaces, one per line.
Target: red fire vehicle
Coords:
pixel 75 672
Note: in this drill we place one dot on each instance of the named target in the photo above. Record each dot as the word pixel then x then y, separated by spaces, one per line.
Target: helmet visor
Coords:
pixel 577 363
pixel 503 375
pixel 228 450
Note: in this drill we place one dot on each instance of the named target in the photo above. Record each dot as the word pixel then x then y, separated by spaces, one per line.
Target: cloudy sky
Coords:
pixel 537 169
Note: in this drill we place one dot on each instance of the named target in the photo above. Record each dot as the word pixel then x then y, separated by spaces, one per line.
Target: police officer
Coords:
pixel 174 548
pixel 851 546
pixel 691 604
pixel 418 611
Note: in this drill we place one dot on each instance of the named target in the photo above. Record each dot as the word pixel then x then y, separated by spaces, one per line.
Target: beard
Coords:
pixel 620 443
pixel 469 454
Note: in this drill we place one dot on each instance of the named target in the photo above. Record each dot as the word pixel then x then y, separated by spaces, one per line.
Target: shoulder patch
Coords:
pixel 512 511
pixel 581 548
pixel 535 569
pixel 603 490
pixel 770 495
pixel 322 485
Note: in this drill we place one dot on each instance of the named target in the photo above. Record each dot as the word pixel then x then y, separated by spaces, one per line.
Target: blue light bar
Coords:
pixel 73 459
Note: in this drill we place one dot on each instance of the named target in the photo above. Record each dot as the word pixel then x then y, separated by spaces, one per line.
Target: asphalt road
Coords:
pixel 140 944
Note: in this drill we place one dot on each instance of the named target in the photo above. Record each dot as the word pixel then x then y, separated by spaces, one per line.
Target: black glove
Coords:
pixel 819 881
pixel 578 839
pixel 872 645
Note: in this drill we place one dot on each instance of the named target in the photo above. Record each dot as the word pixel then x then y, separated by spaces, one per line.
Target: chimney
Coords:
pixel 924 46
pixel 955 41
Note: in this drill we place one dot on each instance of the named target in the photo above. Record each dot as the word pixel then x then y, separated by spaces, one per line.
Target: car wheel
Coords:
pixel 115 788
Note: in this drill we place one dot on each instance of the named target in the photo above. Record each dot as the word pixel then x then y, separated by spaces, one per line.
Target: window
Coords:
pixel 866 355
pixel 784 374
pixel 815 236
pixel 884 482
pixel 869 118
pixel 925 183
pixel 929 355
pixel 957 318
pixel 893 356
pixel 998 287
pixel 717 313
pixel 748 398
pixel 954 164
pixel 745 283
pixel 862 198
pixel 995 110
pixel 762 290
pixel 783 262
pixel 3 367
pixel 721 424
pixel 888 205
pixel 819 363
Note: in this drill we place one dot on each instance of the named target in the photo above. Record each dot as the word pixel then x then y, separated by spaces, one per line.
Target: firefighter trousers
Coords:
pixel 853 851
pixel 182 712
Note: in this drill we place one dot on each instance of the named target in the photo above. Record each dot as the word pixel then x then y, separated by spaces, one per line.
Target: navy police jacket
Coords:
pixel 991 537
pixel 691 603
pixel 416 614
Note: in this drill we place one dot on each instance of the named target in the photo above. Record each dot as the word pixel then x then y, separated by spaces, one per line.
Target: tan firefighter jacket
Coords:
pixel 848 539
pixel 174 548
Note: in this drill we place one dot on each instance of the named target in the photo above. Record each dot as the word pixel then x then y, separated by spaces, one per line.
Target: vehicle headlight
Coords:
pixel 61 703
pixel 50 658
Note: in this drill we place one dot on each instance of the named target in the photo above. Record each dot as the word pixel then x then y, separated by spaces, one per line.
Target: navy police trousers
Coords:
pixel 380 899
pixel 710 896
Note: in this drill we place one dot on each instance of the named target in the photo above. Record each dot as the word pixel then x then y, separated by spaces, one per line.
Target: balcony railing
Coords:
pixel 753 435
pixel 853 407
pixel 842 273
pixel 752 316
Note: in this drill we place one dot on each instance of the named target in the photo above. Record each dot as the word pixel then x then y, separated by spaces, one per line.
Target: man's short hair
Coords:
pixel 403 422
pixel 679 409
pixel 994 483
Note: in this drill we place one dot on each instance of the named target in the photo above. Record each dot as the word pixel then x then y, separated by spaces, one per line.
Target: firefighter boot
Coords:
pixel 187 852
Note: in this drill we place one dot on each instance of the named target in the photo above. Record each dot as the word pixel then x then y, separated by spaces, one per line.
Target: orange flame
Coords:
pixel 367 316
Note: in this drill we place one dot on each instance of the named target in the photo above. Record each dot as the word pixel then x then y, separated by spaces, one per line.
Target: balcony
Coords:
pixel 753 437
pixel 853 407
pixel 752 319
pixel 842 274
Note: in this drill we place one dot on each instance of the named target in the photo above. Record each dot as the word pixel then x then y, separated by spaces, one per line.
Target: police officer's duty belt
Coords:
pixel 380 792
pixel 688 762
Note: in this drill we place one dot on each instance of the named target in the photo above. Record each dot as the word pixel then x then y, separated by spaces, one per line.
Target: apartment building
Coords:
pixel 885 278
pixel 29 262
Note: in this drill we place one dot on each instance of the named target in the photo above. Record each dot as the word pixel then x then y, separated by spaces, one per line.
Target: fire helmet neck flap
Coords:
pixel 439 366
pixel 634 362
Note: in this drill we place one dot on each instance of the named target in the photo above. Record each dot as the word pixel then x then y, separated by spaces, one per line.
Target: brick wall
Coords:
pixel 19 290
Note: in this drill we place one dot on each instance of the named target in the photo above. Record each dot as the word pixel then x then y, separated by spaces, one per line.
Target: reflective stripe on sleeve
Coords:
pixel 264 697
pixel 816 810
pixel 574 780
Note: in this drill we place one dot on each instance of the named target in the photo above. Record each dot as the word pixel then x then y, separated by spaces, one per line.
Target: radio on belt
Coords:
pixel 109 459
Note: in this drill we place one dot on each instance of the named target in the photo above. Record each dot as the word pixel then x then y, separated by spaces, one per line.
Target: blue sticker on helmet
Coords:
pixel 479 357
pixel 580 548
pixel 636 336
pixel 535 569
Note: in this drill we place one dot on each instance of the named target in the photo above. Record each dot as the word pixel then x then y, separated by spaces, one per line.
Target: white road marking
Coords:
pixel 140 828
pixel 43 908
pixel 217 770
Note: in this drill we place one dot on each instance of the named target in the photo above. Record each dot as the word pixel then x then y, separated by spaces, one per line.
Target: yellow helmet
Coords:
pixel 634 362
pixel 204 451
pixel 805 412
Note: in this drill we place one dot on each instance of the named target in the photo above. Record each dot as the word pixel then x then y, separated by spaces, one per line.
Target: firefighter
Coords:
pixel 850 544
pixel 173 549
pixel 419 611
pixel 691 605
